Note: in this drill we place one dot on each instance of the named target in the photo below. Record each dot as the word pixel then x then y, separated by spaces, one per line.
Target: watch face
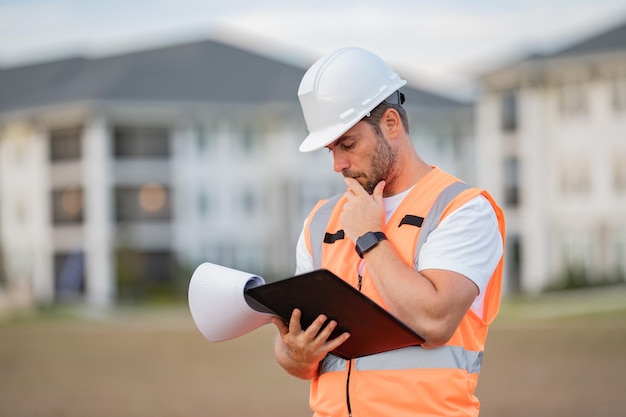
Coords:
pixel 367 241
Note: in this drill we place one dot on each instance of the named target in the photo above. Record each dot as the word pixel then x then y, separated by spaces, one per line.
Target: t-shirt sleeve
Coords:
pixel 467 241
pixel 304 260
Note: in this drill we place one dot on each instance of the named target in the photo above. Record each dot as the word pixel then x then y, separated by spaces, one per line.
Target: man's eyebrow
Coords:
pixel 343 138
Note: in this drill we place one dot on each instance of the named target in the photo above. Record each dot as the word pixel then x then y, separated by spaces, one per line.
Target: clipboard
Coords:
pixel 372 329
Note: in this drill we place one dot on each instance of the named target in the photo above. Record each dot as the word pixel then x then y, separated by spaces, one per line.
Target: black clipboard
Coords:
pixel 372 329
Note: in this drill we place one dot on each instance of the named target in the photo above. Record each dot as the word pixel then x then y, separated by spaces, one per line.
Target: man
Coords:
pixel 445 284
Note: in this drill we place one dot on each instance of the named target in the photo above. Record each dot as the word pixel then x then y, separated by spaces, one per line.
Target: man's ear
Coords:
pixel 392 122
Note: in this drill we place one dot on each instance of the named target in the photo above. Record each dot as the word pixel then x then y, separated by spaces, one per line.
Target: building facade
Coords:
pixel 118 173
pixel 551 145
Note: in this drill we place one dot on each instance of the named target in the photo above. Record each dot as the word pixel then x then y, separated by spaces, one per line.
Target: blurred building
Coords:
pixel 551 137
pixel 119 172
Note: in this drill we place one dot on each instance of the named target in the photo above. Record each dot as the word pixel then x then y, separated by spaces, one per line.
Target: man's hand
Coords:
pixel 363 212
pixel 300 351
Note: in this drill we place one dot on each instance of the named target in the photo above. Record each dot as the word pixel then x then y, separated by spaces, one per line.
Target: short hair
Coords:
pixel 377 113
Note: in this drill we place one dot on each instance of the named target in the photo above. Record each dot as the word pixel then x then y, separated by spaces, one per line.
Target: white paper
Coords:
pixel 218 305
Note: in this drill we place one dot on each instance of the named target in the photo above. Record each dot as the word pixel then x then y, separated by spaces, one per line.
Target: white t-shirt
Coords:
pixel 467 241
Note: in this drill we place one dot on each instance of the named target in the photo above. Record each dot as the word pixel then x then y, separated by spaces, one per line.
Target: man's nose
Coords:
pixel 340 163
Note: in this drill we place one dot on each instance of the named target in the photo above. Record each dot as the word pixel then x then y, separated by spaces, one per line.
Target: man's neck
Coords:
pixel 411 172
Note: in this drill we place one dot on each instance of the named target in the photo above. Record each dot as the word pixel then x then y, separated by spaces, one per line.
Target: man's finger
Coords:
pixel 336 342
pixel 314 329
pixel 280 325
pixel 378 192
pixel 294 322
pixel 354 186
pixel 324 334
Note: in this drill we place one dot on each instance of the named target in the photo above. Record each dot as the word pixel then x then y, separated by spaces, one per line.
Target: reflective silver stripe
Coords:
pixel 332 363
pixel 434 215
pixel 414 357
pixel 317 228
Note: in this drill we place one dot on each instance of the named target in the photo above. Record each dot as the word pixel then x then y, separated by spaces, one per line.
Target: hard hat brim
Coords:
pixel 322 138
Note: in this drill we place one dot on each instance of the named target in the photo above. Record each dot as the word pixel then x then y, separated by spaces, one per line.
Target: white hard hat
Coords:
pixel 339 90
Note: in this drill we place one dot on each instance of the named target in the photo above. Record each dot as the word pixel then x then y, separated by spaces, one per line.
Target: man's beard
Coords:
pixel 382 165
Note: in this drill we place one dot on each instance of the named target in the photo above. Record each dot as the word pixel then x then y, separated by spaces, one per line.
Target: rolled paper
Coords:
pixel 218 305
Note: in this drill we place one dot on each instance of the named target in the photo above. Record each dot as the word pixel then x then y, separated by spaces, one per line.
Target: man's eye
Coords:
pixel 346 146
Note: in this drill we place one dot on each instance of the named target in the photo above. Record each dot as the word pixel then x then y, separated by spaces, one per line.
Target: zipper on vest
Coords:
pixel 359 283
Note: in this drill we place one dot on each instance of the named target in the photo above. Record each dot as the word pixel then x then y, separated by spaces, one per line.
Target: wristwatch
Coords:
pixel 368 241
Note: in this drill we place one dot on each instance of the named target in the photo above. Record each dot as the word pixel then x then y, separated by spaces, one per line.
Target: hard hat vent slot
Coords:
pixel 375 96
pixel 346 113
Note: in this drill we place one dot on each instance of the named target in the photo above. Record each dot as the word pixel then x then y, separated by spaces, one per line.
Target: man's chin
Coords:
pixel 369 188
pixel 367 185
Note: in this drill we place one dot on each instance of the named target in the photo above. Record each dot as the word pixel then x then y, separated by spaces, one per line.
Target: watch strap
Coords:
pixel 373 238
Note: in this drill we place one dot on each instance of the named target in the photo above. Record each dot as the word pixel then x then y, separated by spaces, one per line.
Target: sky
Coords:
pixel 440 44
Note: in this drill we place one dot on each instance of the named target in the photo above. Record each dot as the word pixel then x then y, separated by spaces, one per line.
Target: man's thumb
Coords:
pixel 378 192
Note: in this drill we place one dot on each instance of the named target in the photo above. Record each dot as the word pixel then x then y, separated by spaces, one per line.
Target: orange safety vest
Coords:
pixel 413 381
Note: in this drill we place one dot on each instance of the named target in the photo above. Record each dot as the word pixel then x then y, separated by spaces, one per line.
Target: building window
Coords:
pixel 270 124
pixel 575 176
pixel 577 254
pixel 508 112
pixel 248 202
pixel 307 194
pixel 511 182
pixel 69 277
pixel 514 257
pixel 21 211
pixel 573 100
pixel 619 255
pixel 65 144
pixel 145 273
pixel 67 206
pixel 248 139
pixel 141 142
pixel 619 173
pixel 246 257
pixel 618 94
pixel 151 201
pixel 204 203
pixel 205 135
pixel 250 258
